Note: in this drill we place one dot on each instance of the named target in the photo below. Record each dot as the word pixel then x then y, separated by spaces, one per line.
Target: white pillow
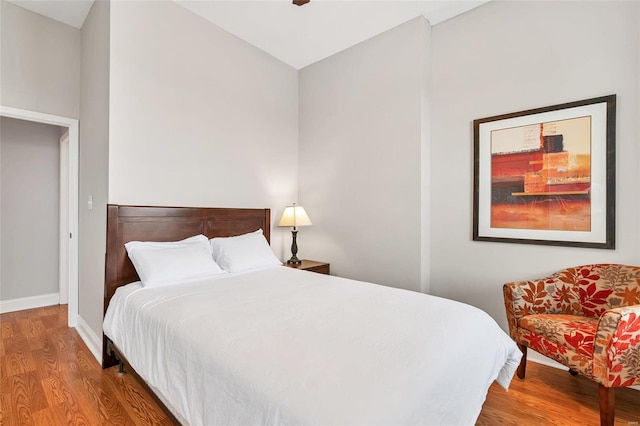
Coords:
pixel 164 263
pixel 196 239
pixel 244 252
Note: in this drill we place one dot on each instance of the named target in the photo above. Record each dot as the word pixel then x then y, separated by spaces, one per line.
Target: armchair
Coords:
pixel 586 318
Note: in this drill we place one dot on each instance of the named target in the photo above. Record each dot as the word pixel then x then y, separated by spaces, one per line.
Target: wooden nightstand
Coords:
pixel 311 265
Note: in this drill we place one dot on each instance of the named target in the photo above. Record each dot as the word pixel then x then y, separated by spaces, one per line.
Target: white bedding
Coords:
pixel 283 346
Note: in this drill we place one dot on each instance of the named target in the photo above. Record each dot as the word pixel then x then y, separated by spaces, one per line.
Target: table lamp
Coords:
pixel 294 216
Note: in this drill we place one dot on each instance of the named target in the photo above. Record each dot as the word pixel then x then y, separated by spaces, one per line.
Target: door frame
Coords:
pixel 72 125
pixel 63 270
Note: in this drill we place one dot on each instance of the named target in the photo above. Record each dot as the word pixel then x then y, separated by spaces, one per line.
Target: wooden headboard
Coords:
pixel 146 223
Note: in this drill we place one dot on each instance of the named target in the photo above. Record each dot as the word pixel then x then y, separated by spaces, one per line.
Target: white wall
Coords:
pixel 40 71
pixel 361 154
pixel 29 205
pixel 40 64
pixel 198 117
pixel 93 170
pixel 510 56
pixel 637 108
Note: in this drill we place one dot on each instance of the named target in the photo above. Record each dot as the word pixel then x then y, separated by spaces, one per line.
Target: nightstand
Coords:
pixel 311 265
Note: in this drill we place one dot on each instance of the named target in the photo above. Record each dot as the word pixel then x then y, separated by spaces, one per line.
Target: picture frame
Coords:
pixel 547 175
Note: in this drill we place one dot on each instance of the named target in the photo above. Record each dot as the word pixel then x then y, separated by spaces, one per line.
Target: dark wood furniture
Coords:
pixel 312 266
pixel 145 223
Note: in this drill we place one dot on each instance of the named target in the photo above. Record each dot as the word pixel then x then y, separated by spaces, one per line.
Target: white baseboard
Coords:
pixel 31 302
pixel 538 358
pixel 93 342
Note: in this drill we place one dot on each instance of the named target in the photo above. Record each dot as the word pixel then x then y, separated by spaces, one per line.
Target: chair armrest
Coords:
pixel 616 350
pixel 526 298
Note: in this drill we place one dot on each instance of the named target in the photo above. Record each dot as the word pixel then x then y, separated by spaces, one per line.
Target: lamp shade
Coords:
pixel 294 216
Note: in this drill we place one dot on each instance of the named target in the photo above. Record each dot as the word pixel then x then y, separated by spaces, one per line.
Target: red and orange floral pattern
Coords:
pixel 587 318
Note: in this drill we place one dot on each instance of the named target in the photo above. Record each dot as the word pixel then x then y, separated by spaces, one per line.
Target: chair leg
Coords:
pixel 607 405
pixel 522 368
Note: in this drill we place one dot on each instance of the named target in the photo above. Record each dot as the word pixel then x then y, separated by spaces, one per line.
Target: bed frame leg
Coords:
pixel 121 368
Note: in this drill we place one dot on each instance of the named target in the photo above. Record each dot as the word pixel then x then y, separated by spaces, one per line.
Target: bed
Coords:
pixel 282 346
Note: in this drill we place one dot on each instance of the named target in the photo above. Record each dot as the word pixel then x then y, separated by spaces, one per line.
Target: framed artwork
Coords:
pixel 547 175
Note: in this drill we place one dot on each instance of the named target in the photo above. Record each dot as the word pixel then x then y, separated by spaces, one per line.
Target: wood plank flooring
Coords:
pixel 549 396
pixel 49 377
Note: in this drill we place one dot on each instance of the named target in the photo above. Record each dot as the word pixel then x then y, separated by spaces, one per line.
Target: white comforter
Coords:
pixel 283 346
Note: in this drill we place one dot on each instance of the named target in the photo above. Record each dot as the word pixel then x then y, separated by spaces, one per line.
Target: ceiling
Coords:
pixel 70 12
pixel 297 35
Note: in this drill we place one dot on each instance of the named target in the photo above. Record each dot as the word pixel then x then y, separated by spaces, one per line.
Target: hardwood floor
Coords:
pixel 49 377
pixel 549 396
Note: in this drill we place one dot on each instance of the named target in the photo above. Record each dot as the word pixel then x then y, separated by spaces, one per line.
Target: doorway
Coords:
pixel 69 188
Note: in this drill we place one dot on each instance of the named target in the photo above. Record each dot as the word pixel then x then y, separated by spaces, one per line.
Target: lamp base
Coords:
pixel 294 261
pixel 294 249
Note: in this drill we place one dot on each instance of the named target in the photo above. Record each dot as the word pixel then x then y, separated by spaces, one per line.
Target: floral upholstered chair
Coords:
pixel 586 318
